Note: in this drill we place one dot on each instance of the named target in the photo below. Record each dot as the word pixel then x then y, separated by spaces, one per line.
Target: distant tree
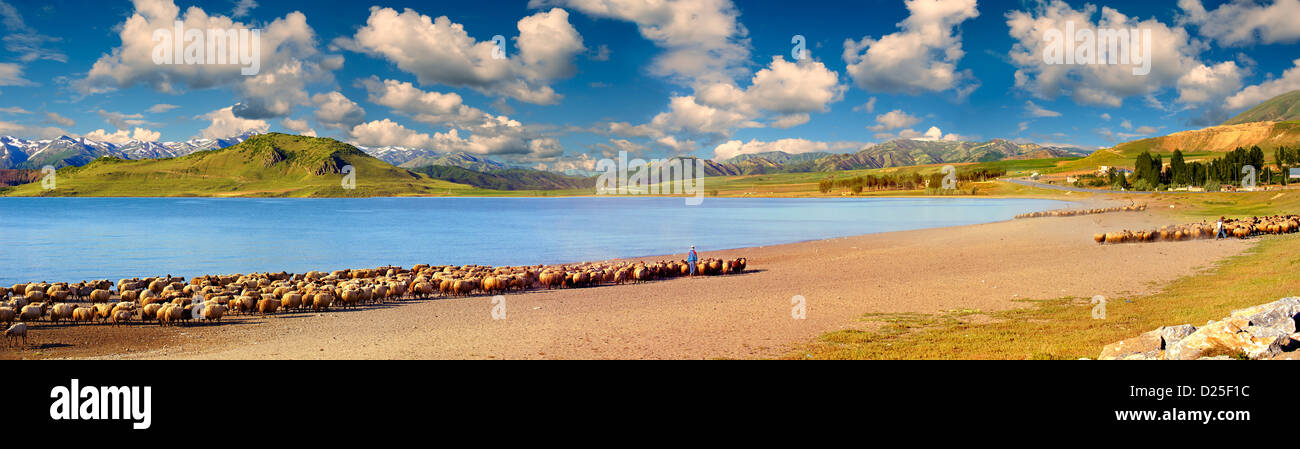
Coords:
pixel 1178 169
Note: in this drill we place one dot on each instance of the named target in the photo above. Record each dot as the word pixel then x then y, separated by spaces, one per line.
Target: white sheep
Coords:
pixel 16 331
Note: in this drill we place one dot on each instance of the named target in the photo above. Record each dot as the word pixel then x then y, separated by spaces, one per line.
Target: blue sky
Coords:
pixel 583 79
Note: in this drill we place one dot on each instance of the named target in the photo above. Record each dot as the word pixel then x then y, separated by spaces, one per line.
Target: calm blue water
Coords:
pixel 71 239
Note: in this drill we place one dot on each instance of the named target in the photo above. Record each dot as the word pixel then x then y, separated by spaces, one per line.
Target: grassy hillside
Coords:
pixel 1282 108
pixel 268 165
pixel 1196 144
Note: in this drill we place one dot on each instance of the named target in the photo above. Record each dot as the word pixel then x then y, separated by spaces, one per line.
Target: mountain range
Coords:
pixel 894 153
pixel 18 153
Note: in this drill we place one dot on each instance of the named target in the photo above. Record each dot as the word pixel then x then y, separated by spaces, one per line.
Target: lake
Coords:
pixel 74 239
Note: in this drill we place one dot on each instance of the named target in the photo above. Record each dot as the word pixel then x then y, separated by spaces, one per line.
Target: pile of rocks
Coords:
pixel 1263 332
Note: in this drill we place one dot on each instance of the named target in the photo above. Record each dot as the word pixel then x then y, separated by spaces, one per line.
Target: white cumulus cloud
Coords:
pixel 439 51
pixel 921 57
pixel 224 123
pixel 1244 22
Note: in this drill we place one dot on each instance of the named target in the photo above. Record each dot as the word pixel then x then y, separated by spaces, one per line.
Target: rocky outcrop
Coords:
pixel 1261 332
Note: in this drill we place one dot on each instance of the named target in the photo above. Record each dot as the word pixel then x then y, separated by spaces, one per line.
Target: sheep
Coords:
pixel 291 300
pixel 268 305
pixel 243 304
pixel 8 315
pixel 213 312
pixel 83 315
pixel 121 316
pixel 100 295
pixel 150 312
pixel 187 312
pixel 61 312
pixel 1240 228
pixel 170 314
pixel 103 311
pixel 31 312
pixel 15 332
pixel 465 286
pixel 350 297
pixel 322 301
pixel 422 289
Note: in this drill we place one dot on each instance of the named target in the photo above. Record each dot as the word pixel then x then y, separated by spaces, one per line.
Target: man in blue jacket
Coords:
pixel 692 259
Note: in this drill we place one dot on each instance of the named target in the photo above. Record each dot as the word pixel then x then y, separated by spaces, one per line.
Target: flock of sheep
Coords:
pixel 1076 212
pixel 1240 228
pixel 172 301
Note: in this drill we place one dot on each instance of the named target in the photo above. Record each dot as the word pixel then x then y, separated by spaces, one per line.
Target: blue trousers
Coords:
pixel 692 264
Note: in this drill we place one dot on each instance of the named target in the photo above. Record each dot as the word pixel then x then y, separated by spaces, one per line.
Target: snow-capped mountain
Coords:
pixel 396 155
pixel 21 153
pixel 417 157
pixel 14 151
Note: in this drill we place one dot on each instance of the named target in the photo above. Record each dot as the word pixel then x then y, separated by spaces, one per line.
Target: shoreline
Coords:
pixel 651 254
pixel 981 267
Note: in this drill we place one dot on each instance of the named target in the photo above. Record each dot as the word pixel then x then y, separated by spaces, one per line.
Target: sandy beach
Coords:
pixel 982 267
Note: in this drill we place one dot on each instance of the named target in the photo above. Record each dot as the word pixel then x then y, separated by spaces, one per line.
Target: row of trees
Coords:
pixel 906 181
pixel 1150 173
pixel 873 182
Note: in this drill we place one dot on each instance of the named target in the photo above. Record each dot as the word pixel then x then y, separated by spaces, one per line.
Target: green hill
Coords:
pixel 1274 123
pixel 268 165
pixel 1282 108
pixel 1196 144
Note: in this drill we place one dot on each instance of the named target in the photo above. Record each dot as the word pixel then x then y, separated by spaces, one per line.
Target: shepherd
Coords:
pixel 692 259
pixel 1218 230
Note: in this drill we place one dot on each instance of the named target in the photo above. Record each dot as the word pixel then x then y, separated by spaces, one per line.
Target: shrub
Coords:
pixel 825 185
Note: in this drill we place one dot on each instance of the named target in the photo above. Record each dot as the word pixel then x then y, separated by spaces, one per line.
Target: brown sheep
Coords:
pixel 291 300
pixel 83 315
pixel 150 312
pixel 8 315
pixel 213 312
pixel 100 295
pixel 268 305
pixel 31 312
pixel 322 301
pixel 61 312
pixel 122 316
